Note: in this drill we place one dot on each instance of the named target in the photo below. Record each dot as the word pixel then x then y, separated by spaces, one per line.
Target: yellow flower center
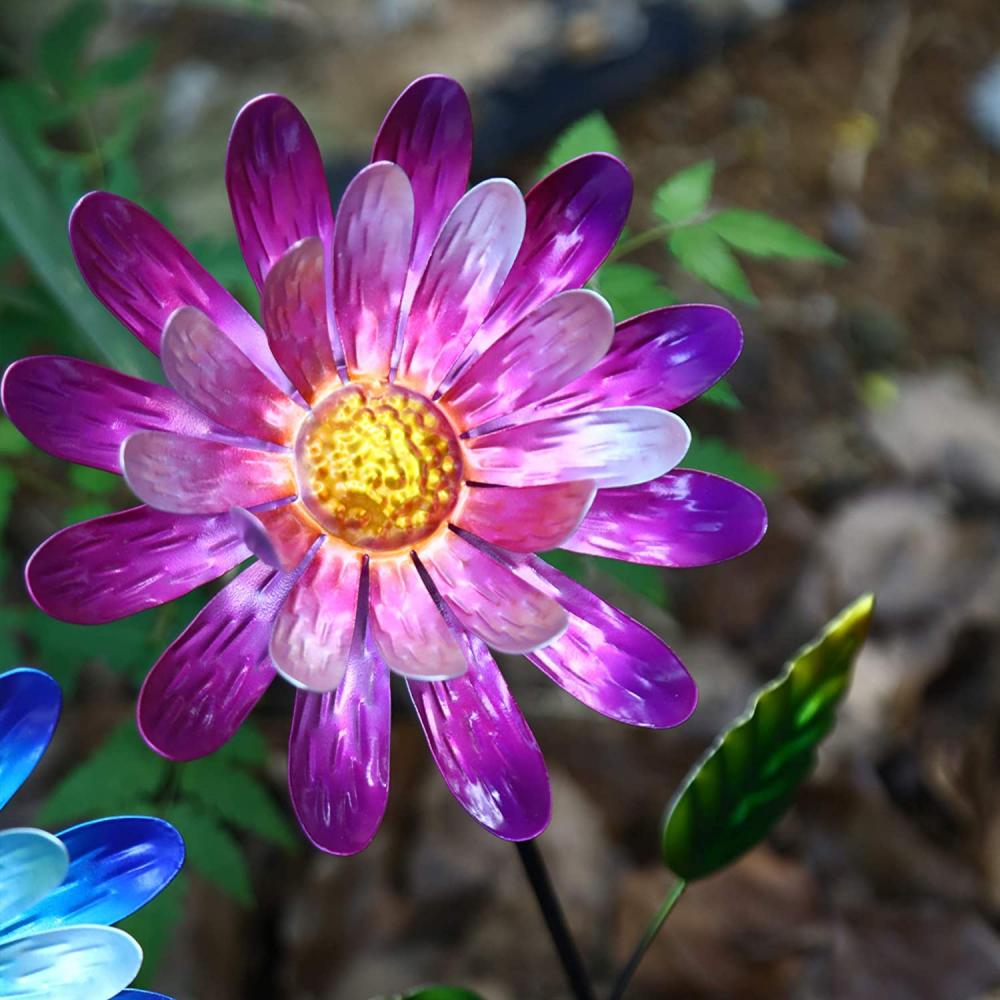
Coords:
pixel 379 466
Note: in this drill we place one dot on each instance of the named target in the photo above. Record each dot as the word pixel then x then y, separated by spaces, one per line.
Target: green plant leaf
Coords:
pixel 646 581
pixel 762 235
pixel 737 792
pixel 12 441
pixel 592 134
pixel 119 775
pixel 686 194
pixel 721 394
pixel 95 481
pixel 61 47
pixel 238 797
pixel 631 289
pixel 440 993
pixel 246 746
pixel 709 454
pixel 212 851
pixel 153 926
pixel 703 252
pixel 119 68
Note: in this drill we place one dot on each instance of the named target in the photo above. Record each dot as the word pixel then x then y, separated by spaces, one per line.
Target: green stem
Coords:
pixel 625 976
pixel 633 243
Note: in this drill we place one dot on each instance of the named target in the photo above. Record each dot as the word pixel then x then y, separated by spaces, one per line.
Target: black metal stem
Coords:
pixel 548 903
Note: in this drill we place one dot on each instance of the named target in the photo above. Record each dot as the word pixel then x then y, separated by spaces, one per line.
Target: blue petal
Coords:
pixel 71 963
pixel 32 864
pixel 116 866
pixel 142 995
pixel 29 710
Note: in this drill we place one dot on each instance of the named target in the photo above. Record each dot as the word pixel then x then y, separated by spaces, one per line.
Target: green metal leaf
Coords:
pixel 686 194
pixel 631 289
pixel 742 786
pixel 592 134
pixel 704 253
pixel 762 235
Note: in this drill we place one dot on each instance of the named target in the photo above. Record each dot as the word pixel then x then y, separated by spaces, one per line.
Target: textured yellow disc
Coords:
pixel 379 466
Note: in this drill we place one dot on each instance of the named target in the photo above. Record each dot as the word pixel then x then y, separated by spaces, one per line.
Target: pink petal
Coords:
pixel 409 629
pixel 371 253
pixel 615 447
pixel 526 519
pixel 467 266
pixel 608 661
pixel 574 217
pixel 119 564
pixel 483 747
pixel 684 518
pixel 294 308
pixel 551 346
pixel 663 358
pixel 82 412
pixel 280 536
pixel 204 686
pixel 338 756
pixel 214 375
pixel 195 476
pixel 276 182
pixel 312 636
pixel 490 600
pixel 142 274
pixel 428 132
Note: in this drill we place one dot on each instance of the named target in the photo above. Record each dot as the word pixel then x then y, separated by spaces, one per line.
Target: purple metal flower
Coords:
pixel 431 399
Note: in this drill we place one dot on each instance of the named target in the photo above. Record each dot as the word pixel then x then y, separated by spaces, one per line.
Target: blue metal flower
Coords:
pixel 59 894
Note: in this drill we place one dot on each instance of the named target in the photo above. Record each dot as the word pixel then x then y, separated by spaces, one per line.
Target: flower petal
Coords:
pixel 188 475
pixel 32 864
pixel 338 756
pixel 214 375
pixel 663 358
pixel 209 679
pixel 142 274
pixel 113 566
pixel 560 340
pixel 408 627
pixel 574 217
pixel 684 518
pixel 276 182
pixel 70 963
pixel 615 447
pixel 608 661
pixel 428 132
pixel 140 995
pixel 281 536
pixel 483 747
pixel 116 866
pixel 467 266
pixel 82 412
pixel 313 631
pixel 30 702
pixel 490 600
pixel 371 256
pixel 294 308
pixel 526 519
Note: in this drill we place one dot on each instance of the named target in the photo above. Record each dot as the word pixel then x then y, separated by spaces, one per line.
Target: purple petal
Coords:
pixel 214 375
pixel 313 632
pixel 195 476
pixel 142 274
pixel 489 599
pixel 616 447
pixel 371 254
pixel 684 518
pixel 207 682
pixel 119 564
pixel 276 183
pixel 407 626
pixel 608 661
pixel 428 132
pixel 467 266
pixel 574 217
pixel 527 519
pixel 484 749
pixel 338 756
pixel 294 308
pixel 82 412
pixel 560 340
pixel 281 536
pixel 663 358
